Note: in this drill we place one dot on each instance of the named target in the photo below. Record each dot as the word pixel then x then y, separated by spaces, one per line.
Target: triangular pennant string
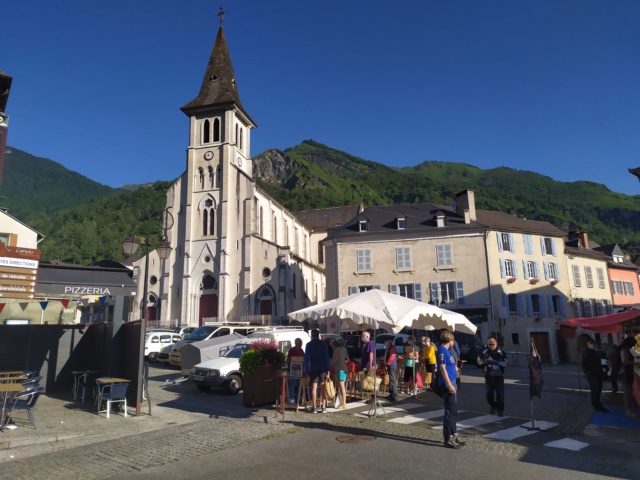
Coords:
pixel 43 305
pixel 65 303
pixel 23 305
pixel 2 306
pixel 102 300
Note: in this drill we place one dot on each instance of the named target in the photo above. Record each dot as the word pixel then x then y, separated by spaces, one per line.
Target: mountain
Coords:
pixel 33 184
pixel 312 175
pixel 83 220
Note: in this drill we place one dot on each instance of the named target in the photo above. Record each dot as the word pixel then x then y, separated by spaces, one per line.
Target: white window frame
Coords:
pixel 364 260
pixel 510 268
pixel 403 258
pixel 444 255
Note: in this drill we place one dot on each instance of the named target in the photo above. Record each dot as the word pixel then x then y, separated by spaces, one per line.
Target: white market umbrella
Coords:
pixel 377 309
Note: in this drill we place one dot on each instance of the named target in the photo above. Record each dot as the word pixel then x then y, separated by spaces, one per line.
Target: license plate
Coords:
pixel 197 378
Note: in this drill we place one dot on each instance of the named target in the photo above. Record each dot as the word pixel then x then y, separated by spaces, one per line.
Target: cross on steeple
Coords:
pixel 221 15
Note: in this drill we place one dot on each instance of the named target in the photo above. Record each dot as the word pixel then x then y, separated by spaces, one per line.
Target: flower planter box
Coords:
pixel 260 388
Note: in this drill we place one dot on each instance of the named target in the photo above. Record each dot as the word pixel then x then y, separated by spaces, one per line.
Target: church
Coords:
pixel 237 254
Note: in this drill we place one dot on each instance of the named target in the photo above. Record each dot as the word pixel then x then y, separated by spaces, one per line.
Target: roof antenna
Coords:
pixel 221 15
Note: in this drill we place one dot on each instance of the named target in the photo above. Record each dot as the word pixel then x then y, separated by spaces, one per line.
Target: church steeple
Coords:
pixel 219 86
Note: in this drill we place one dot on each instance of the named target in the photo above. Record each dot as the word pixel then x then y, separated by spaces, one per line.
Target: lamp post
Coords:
pixel 132 213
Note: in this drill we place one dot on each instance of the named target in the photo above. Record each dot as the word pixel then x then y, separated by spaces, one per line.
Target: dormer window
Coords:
pixel 363 226
pixel 439 216
pixel 401 223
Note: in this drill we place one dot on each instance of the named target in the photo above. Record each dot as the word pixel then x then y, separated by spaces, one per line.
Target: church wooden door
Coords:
pixel 208 307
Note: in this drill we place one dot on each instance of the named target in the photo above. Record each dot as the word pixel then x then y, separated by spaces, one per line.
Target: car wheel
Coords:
pixel 203 388
pixel 153 357
pixel 233 385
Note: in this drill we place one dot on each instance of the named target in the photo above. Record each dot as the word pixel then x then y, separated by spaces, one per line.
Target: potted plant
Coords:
pixel 258 365
pixel 533 281
pixel 553 281
pixel 511 279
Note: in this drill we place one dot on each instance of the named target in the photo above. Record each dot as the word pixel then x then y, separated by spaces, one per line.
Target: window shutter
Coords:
pixel 353 290
pixel 417 291
pixel 511 244
pixel 576 275
pixel 505 300
pixel 393 288
pixel 543 305
pixel 502 269
pixel 577 308
pixel 550 304
pixel 553 247
pixel 433 287
pixel 529 306
pixel 525 269
pixel 528 245
pixel 546 270
pixel 536 267
pixel 542 247
pixel 520 299
pixel 460 292
pixel 557 265
pixel 515 269
pixel 499 235
pixel 563 306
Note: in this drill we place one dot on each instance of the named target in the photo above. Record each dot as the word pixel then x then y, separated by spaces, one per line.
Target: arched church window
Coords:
pixel 219 176
pixel 216 130
pixel 236 133
pixel 261 222
pixel 210 171
pixel 241 138
pixel 201 174
pixel 208 202
pixel 209 283
pixel 206 132
pixel 205 220
pixel 212 221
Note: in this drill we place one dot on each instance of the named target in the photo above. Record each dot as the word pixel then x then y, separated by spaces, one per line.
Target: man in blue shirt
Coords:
pixel 317 362
pixel 446 381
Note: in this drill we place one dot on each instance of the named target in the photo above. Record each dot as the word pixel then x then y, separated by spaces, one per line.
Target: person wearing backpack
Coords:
pixel 494 361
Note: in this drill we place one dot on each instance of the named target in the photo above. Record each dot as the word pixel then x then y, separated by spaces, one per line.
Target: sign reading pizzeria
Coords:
pixel 18 271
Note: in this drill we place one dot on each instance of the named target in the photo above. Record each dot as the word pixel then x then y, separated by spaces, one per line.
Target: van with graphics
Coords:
pixel 225 371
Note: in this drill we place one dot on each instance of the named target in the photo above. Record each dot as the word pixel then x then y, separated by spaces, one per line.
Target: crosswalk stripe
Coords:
pixel 568 444
pixel 475 421
pixel 520 431
pixel 419 417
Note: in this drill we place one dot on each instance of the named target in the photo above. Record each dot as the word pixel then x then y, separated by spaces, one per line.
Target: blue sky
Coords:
pixel 547 86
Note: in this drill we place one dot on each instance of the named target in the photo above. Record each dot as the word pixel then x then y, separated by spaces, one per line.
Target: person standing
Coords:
pixel 494 361
pixel 592 369
pixel 446 382
pixel 294 384
pixel 411 355
pixel 391 365
pixel 338 361
pixel 316 362
pixel 626 375
pixel 455 352
pixel 368 354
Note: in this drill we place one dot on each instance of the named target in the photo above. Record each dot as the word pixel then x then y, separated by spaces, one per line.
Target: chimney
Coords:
pixel 583 240
pixel 467 218
pixel 466 200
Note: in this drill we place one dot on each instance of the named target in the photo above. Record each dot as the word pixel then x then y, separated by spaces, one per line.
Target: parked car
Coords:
pixel 184 332
pixel 156 340
pixel 163 354
pixel 354 345
pixel 329 337
pixel 212 330
pixel 470 346
pixel 399 339
pixel 225 371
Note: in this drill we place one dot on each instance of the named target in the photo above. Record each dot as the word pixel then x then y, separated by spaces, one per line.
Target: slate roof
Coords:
pixel 419 217
pixel 322 218
pixel 506 222
pixel 219 86
pixel 614 249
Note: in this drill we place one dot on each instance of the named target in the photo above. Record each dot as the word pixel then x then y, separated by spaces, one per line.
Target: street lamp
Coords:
pixel 132 213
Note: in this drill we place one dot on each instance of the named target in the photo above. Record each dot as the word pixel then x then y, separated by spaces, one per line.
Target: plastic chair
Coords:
pixel 113 393
pixel 27 401
pixel 31 382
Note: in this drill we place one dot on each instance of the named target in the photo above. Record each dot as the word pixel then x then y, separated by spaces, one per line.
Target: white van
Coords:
pixel 225 371
pixel 154 341
pixel 212 330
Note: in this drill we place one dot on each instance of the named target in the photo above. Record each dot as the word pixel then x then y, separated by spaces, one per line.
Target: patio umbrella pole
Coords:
pixel 373 411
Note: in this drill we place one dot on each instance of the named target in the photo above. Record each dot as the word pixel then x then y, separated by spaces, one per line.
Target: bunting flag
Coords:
pixel 2 306
pixel 535 372
pixel 23 305
pixel 65 303
pixel 103 299
pixel 43 305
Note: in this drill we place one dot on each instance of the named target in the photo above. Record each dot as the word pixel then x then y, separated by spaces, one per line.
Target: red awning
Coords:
pixel 605 323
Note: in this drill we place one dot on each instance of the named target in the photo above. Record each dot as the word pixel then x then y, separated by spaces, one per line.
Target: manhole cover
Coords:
pixel 355 438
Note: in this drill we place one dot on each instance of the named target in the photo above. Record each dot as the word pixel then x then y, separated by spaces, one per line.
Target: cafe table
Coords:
pixel 5 390
pixel 13 379
pixel 80 377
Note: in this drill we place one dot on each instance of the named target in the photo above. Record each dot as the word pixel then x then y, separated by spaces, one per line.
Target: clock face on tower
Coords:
pixel 208 155
pixel 239 161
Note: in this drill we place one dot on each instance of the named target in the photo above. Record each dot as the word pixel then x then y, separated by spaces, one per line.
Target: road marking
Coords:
pixel 520 431
pixel 568 444
pixel 475 421
pixel 419 417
